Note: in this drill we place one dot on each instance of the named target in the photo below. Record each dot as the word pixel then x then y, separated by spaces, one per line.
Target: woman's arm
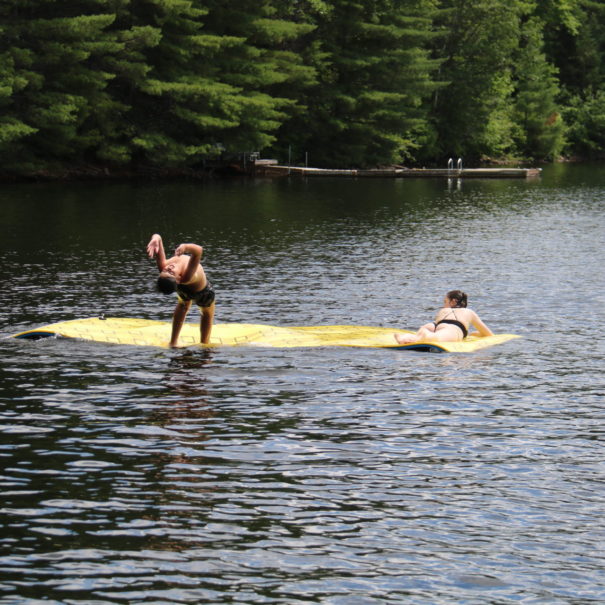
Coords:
pixel 480 326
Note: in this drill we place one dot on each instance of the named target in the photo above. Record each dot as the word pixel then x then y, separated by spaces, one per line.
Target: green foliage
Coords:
pixel 472 113
pixel 12 130
pixel 586 119
pixel 54 83
pixel 173 83
pixel 574 36
pixel 560 15
pixel 267 68
pixel 374 78
pixel 536 110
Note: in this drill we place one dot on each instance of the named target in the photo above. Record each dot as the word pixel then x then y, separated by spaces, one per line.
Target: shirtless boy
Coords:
pixel 184 274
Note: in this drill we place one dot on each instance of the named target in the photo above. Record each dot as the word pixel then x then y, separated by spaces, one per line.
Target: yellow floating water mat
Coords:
pixel 150 333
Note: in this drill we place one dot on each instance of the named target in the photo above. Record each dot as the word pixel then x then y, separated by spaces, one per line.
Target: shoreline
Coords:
pixel 264 168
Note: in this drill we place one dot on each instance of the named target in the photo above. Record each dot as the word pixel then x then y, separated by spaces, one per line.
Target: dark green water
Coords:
pixel 252 475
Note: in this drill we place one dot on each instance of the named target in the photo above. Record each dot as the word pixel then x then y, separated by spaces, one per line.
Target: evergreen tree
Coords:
pixel 575 42
pixel 541 128
pixel 368 108
pixel 267 67
pixel 175 82
pixel 473 113
pixel 589 57
pixel 215 80
pixel 585 115
pixel 562 26
pixel 129 65
pixel 173 107
pixel 50 85
pixel 13 130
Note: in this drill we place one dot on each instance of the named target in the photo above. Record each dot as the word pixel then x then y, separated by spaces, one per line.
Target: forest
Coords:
pixel 135 85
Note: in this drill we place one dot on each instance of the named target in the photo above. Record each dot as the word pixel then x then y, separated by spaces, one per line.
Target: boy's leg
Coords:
pixel 178 318
pixel 206 323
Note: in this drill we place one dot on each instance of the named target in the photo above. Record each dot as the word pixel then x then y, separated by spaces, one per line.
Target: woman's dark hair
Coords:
pixel 459 296
pixel 166 285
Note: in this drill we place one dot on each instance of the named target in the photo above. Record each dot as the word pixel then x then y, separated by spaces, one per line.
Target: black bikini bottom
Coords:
pixel 456 323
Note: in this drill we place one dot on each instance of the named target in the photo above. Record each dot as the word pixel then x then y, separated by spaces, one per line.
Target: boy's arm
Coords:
pixel 155 248
pixel 195 253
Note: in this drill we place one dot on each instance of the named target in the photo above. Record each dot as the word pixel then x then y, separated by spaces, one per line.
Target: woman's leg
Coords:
pixel 423 333
pixel 445 333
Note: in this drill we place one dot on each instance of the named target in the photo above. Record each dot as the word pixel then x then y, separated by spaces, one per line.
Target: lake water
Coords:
pixel 327 475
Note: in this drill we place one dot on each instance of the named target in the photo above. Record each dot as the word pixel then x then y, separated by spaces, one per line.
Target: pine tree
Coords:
pixel 368 109
pixel 536 110
pixel 585 115
pixel 13 130
pixel 473 113
pixel 50 84
pixel 266 66
pixel 172 108
pixel 219 78
pixel 562 27
pixel 574 34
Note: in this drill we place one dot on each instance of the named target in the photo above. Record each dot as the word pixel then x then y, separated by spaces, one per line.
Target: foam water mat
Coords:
pixel 151 333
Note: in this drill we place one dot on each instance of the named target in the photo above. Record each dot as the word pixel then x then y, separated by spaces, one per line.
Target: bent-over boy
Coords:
pixel 184 274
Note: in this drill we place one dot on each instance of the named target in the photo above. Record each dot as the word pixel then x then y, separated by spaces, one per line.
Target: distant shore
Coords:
pixel 270 168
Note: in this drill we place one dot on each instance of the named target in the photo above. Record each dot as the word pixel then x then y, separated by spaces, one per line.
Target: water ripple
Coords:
pixel 310 476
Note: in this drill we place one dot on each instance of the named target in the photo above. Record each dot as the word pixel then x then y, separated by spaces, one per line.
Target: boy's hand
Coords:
pixel 182 249
pixel 153 247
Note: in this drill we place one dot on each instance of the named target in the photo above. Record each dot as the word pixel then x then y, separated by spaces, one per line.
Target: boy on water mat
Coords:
pixel 451 322
pixel 184 274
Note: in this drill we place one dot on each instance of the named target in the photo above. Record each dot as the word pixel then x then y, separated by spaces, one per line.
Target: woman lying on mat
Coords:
pixel 451 322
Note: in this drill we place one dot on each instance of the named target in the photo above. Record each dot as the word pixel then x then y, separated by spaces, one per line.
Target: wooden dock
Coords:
pixel 270 168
